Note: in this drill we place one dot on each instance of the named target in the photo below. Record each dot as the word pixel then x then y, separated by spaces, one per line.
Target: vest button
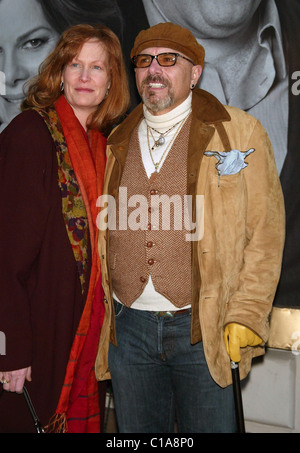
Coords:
pixel 153 192
pixel 151 261
pixel 149 244
pixel 149 227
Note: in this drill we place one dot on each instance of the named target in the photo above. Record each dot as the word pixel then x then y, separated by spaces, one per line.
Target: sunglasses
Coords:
pixel 163 59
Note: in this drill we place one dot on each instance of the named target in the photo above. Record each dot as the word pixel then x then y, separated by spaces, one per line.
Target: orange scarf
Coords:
pixel 78 406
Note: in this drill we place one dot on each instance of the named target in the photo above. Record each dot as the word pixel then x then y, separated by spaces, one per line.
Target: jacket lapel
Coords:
pixel 206 113
pixel 118 141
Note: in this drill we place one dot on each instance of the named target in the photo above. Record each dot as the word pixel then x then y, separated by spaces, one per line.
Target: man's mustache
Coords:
pixel 156 79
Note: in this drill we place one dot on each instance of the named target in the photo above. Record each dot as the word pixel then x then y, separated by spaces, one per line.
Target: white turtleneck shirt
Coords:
pixel 162 123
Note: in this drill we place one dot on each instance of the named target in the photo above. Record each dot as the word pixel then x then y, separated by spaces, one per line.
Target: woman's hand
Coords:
pixel 13 381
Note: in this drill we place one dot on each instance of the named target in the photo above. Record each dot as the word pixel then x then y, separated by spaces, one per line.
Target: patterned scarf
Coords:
pixel 80 179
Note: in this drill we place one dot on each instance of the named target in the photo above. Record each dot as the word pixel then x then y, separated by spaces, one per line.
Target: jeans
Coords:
pixel 158 375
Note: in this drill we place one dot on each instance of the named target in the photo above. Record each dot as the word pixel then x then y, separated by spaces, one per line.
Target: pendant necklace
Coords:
pixel 157 164
pixel 161 139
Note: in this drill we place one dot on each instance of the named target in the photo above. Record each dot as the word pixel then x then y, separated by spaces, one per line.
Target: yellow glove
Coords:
pixel 237 336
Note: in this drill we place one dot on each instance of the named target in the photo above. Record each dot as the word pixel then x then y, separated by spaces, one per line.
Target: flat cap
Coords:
pixel 172 36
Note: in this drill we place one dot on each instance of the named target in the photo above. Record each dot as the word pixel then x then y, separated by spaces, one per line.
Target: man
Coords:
pixel 257 41
pixel 184 304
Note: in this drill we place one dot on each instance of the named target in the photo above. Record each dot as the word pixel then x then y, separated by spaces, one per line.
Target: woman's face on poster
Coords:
pixel 26 39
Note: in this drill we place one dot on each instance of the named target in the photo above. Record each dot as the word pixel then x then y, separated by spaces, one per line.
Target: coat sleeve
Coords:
pixel 251 304
pixel 26 152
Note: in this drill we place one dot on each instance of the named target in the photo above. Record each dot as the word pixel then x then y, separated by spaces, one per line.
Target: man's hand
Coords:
pixel 237 336
pixel 13 381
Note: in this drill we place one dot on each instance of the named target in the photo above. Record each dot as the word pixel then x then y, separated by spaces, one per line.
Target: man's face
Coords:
pixel 164 88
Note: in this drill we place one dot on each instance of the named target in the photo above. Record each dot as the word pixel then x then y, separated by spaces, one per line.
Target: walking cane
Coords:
pixel 38 427
pixel 237 396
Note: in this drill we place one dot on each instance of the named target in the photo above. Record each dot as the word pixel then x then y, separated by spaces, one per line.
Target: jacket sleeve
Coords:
pixel 24 206
pixel 251 304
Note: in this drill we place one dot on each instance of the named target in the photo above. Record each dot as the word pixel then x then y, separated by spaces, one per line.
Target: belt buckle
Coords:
pixel 164 314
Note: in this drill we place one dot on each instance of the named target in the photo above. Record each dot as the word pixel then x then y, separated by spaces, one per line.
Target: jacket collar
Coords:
pixel 206 110
pixel 205 107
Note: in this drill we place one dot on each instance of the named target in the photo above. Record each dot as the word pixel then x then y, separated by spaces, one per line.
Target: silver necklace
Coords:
pixel 157 164
pixel 161 139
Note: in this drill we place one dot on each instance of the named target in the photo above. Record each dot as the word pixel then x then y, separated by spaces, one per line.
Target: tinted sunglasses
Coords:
pixel 163 59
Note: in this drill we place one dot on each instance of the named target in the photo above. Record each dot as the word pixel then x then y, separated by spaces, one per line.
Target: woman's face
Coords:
pixel 86 79
pixel 26 39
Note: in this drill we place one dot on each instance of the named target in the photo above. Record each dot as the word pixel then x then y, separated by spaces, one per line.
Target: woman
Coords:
pixel 29 31
pixel 52 159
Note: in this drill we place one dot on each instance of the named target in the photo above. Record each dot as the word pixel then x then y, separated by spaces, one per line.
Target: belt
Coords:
pixel 171 314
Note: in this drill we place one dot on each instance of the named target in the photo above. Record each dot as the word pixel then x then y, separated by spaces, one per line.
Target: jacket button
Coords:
pixel 142 279
pixel 151 261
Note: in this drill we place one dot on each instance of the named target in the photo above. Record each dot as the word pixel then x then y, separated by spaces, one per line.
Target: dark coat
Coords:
pixel 40 298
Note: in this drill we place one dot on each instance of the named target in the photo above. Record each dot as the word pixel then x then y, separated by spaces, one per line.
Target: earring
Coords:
pixel 61 86
pixel 193 86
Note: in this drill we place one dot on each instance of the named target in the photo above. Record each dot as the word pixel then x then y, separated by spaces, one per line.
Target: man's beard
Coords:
pixel 152 102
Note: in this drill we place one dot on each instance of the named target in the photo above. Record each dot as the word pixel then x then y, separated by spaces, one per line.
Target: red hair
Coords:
pixel 44 89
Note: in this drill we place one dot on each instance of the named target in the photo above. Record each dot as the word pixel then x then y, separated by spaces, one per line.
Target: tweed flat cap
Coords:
pixel 172 36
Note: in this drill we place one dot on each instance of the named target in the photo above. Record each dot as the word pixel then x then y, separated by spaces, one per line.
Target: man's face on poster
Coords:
pixel 221 18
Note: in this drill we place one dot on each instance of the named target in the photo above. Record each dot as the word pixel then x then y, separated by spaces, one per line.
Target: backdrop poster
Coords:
pixel 252 62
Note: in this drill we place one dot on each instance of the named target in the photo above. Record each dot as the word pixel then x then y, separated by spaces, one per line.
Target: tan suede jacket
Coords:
pixel 237 263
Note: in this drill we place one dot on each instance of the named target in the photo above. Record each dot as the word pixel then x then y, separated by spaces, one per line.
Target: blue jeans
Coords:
pixel 157 375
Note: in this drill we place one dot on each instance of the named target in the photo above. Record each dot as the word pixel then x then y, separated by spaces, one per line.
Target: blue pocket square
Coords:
pixel 230 162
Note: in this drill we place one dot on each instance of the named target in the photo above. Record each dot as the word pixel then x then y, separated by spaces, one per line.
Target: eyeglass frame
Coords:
pixel 155 57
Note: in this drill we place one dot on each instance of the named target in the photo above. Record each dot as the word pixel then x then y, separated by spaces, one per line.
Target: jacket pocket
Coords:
pixel 224 181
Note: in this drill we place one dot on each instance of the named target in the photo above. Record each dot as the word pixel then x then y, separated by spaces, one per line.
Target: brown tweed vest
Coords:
pixel 153 242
